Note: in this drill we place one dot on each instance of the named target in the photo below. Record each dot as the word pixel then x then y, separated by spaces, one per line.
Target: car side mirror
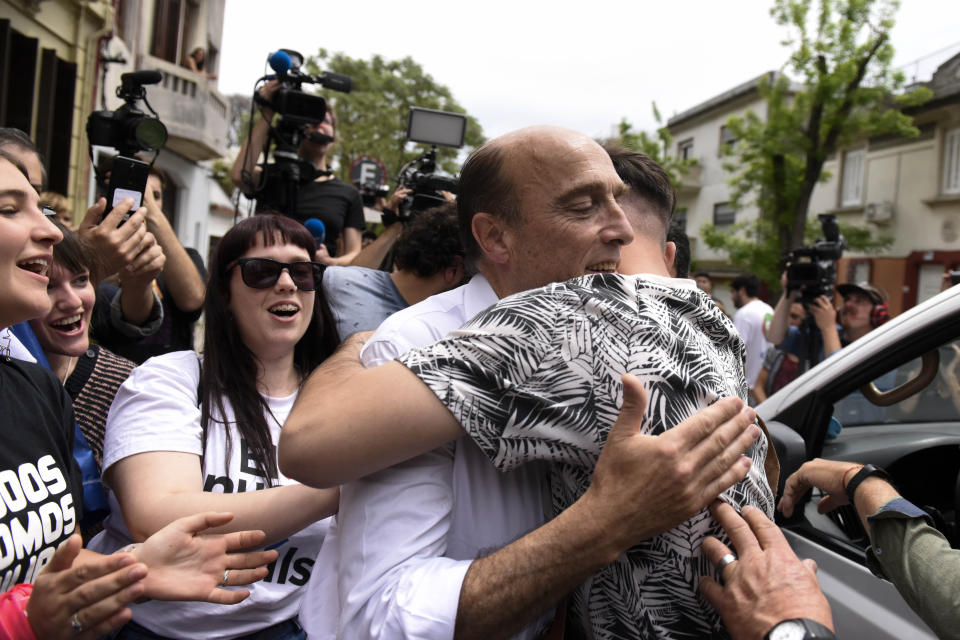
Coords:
pixel 928 371
pixel 791 451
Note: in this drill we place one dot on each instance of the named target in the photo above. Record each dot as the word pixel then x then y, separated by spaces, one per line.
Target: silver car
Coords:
pixel 891 398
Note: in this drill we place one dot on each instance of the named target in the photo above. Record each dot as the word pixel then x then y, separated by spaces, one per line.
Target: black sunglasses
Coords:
pixel 263 273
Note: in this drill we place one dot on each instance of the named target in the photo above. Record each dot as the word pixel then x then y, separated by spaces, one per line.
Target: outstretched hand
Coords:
pixel 767 583
pixel 826 475
pixel 644 485
pixel 185 564
pixel 93 595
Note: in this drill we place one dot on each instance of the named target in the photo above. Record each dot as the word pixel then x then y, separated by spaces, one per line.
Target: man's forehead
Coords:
pixel 565 165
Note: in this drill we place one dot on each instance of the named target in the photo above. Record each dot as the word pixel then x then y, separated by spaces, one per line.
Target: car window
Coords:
pixel 939 401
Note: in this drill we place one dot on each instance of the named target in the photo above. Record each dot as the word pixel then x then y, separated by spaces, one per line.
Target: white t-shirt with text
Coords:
pixel 156 409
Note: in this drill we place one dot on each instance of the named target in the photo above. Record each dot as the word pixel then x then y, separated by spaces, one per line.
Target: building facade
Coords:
pixel 63 59
pixel 907 188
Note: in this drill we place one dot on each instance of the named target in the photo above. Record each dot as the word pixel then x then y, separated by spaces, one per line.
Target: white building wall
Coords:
pixel 705 132
pixel 908 176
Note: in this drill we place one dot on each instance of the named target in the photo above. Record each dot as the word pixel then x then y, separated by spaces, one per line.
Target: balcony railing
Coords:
pixel 192 109
pixel 692 180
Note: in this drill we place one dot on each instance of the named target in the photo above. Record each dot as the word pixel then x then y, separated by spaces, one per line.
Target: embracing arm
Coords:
pixel 330 438
pixel 684 470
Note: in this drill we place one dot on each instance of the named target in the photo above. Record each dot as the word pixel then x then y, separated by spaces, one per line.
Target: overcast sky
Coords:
pixel 582 64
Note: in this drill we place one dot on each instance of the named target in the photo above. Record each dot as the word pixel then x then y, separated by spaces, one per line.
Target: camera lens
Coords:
pixel 150 133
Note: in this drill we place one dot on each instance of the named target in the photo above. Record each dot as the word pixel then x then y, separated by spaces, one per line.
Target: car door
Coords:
pixel 913 432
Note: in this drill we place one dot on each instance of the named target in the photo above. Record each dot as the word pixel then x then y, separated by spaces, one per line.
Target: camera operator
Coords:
pixel 327 198
pixel 864 309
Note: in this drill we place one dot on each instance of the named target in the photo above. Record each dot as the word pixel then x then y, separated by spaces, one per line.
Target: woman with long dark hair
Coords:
pixel 186 435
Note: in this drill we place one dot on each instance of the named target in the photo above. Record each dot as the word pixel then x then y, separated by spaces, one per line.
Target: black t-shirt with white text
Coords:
pixel 40 487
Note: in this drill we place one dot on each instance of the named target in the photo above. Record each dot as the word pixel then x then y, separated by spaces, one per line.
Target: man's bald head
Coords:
pixel 497 176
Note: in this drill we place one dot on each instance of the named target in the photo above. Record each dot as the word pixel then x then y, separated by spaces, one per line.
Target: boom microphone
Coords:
pixel 146 76
pixel 280 62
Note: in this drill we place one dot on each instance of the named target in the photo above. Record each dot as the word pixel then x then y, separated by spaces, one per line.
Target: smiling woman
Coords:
pixel 90 373
pixel 26 245
pixel 55 589
pixel 210 440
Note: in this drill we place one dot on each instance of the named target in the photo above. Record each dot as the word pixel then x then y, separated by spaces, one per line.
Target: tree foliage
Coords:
pixel 846 91
pixel 238 119
pixel 656 145
pixel 372 118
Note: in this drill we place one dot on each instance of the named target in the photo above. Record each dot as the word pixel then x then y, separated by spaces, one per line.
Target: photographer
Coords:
pixel 864 308
pixel 329 199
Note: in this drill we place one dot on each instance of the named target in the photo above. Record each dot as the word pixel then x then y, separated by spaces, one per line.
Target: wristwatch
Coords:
pixel 799 629
pixel 864 473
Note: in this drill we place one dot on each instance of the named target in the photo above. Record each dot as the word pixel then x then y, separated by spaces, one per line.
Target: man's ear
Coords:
pixel 491 234
pixel 669 256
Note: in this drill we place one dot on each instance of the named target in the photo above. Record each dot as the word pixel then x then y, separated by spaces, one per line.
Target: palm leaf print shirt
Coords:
pixel 538 377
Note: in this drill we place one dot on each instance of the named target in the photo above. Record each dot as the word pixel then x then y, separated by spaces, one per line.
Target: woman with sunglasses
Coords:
pixel 186 435
pixel 55 589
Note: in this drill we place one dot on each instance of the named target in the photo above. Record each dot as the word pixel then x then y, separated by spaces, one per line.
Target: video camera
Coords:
pixel 297 110
pixel 128 129
pixel 370 193
pixel 813 269
pixel 432 127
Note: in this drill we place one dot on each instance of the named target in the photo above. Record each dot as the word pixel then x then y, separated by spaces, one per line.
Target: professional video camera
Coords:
pixel 128 130
pixel 297 110
pixel 813 270
pixel 432 127
pixel 370 193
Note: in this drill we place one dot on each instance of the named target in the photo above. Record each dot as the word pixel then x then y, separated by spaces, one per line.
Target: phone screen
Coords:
pixel 128 179
pixel 120 194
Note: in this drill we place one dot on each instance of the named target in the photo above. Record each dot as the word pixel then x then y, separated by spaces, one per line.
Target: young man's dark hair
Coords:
pixel 645 178
pixel 749 283
pixel 681 259
pixel 429 243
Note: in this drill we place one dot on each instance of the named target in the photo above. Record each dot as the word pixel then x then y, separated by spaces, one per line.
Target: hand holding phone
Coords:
pixel 128 180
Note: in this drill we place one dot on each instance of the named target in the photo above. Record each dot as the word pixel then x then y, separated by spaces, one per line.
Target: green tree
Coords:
pixel 372 118
pixel 846 91
pixel 656 145
pixel 238 119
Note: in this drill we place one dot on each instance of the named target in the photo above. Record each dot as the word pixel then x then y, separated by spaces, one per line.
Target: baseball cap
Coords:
pixel 867 289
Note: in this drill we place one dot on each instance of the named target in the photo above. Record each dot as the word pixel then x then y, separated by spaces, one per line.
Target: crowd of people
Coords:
pixel 534 424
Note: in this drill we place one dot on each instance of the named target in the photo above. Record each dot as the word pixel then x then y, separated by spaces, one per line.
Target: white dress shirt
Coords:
pixel 393 563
